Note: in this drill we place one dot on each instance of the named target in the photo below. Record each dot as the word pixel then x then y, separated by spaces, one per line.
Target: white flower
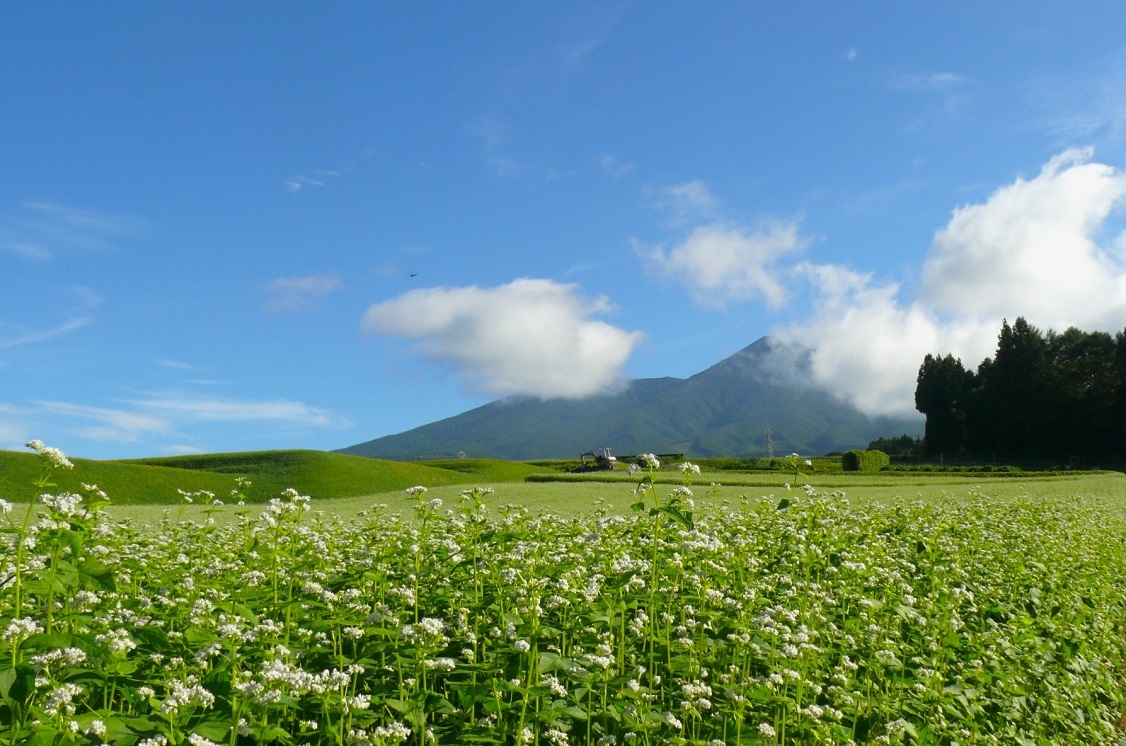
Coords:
pixel 651 461
pixel 54 455
pixel 21 629
pixel 689 468
pixel 441 664
pixel 522 646
pixel 416 490
pixel 766 730
pixel 67 503
pixel 198 740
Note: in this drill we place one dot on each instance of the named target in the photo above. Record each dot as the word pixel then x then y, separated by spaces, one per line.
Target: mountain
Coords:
pixel 722 411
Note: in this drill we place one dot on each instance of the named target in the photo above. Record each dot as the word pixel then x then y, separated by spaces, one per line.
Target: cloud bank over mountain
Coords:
pixel 1049 248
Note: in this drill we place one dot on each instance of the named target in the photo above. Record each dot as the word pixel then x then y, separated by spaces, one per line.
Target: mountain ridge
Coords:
pixel 723 410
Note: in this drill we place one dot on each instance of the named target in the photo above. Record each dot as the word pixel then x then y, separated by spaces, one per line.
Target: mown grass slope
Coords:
pixel 315 473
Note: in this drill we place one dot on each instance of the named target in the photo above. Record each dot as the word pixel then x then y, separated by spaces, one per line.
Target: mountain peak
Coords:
pixel 721 411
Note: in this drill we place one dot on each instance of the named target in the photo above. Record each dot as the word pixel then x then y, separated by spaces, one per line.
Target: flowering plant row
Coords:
pixel 694 620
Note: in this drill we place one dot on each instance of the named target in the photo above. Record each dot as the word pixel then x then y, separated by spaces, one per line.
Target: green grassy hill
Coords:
pixel 315 473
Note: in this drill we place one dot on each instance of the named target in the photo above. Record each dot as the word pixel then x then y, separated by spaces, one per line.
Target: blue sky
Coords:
pixel 244 226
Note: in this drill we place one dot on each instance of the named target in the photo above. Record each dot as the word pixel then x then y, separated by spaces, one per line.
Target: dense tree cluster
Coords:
pixel 1042 397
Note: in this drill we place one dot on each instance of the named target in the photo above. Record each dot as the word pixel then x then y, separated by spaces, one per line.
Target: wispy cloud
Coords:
pixel 947 96
pixel 685 203
pixel 319 178
pixel 174 364
pixel 590 33
pixel 102 424
pixel 189 408
pixel 296 293
pixel 43 230
pixel 43 335
pixel 530 337
pixel 492 132
pixel 170 414
pixel 15 428
pixel 613 166
pixel 82 300
pixel 1086 107
pixel 927 81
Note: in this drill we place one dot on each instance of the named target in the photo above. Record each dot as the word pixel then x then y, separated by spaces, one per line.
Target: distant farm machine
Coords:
pixel 592 461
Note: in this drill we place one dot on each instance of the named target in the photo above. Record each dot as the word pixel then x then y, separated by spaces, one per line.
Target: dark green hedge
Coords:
pixel 864 460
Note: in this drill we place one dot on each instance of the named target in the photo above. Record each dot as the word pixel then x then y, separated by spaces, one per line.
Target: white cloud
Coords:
pixel 1032 249
pixel 719 265
pixel 867 346
pixel 296 293
pixel 529 337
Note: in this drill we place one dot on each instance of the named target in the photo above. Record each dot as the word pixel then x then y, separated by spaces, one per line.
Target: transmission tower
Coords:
pixel 769 443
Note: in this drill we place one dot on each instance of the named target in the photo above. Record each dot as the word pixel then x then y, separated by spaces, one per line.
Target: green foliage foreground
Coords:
pixel 809 619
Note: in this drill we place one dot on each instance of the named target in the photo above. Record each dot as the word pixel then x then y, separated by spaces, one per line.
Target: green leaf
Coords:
pixel 17 684
pixel 215 730
pixel 93 572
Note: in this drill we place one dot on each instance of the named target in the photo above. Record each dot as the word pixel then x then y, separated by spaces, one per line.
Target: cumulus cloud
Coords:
pixel 1032 249
pixel 719 264
pixel 296 293
pixel 1042 248
pixel 530 337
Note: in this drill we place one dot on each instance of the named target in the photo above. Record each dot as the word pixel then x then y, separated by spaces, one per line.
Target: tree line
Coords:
pixel 1043 397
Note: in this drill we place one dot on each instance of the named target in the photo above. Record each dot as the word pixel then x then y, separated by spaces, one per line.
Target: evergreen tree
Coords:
pixel 942 392
pixel 1083 393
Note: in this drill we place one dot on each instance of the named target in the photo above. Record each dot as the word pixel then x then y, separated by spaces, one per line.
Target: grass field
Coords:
pixel 586 496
